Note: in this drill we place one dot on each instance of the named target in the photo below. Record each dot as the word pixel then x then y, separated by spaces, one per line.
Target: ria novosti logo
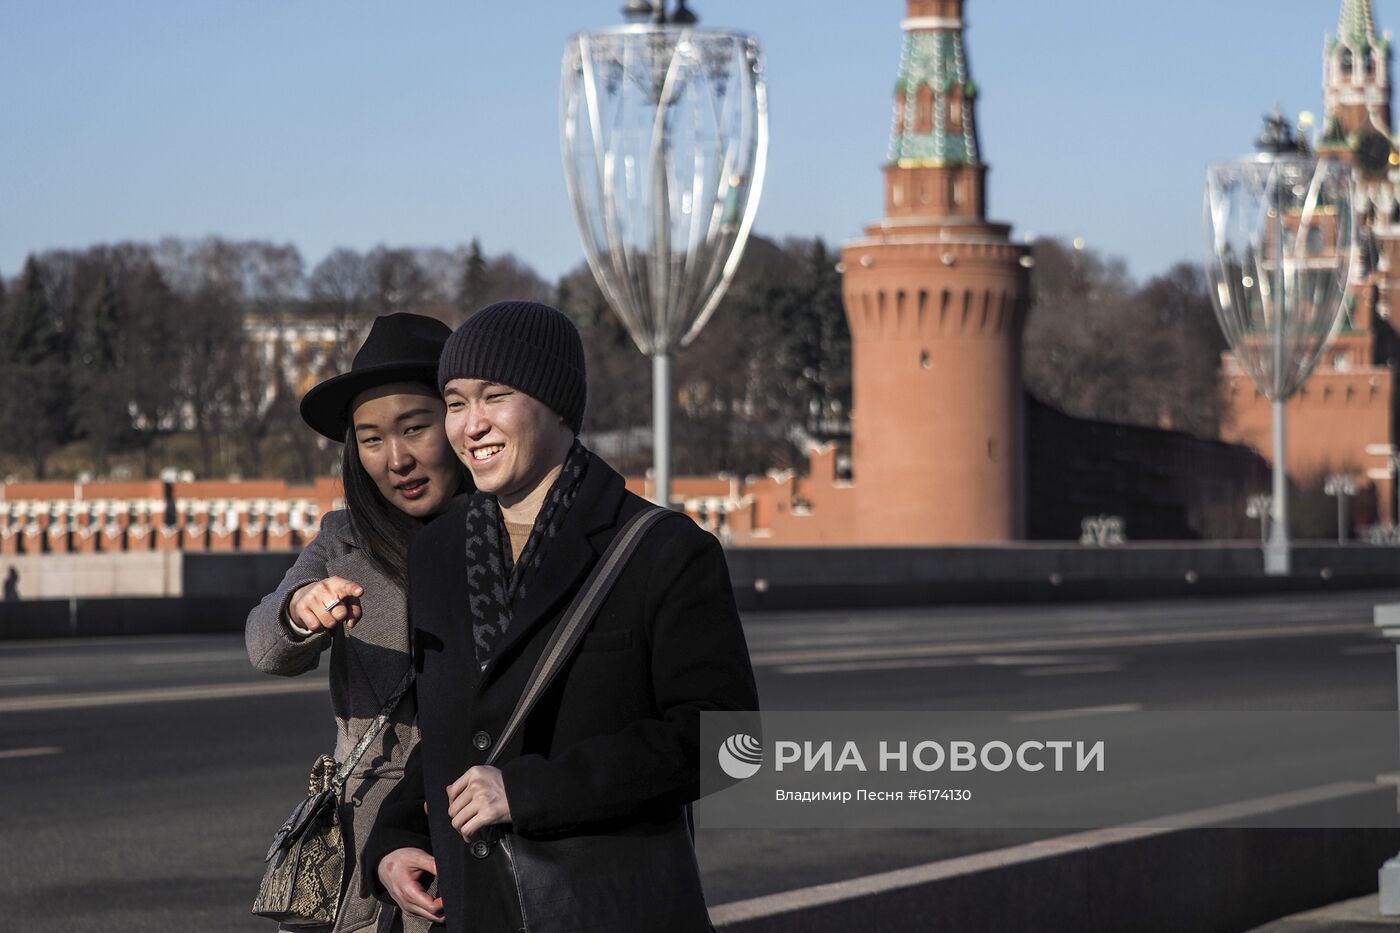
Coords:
pixel 741 756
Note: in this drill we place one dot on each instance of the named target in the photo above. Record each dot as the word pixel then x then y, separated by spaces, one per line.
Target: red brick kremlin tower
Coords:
pixel 1344 418
pixel 936 297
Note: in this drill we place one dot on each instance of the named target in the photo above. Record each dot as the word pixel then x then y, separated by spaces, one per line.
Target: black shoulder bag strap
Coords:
pixel 576 620
pixel 347 767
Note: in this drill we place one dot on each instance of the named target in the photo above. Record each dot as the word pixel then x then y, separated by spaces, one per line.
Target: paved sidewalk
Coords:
pixel 1361 915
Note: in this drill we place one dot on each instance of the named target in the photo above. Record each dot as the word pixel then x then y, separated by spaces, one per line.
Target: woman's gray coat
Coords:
pixel 367 663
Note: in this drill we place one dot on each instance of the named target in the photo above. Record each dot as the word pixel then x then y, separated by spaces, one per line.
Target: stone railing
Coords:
pixel 62 518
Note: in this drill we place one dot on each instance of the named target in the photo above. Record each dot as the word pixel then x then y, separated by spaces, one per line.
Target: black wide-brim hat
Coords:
pixel 399 348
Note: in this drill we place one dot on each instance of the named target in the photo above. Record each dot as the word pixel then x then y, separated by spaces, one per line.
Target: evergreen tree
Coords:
pixel 33 371
pixel 831 384
pixel 474 282
pixel 30 333
pixel 100 371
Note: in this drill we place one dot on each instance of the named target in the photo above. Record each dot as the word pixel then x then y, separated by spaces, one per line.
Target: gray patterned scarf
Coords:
pixel 495 582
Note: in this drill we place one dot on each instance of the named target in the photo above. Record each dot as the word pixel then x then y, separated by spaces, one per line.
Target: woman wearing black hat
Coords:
pixel 346 592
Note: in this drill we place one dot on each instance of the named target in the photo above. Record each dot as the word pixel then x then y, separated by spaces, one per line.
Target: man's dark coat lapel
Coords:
pixel 567 558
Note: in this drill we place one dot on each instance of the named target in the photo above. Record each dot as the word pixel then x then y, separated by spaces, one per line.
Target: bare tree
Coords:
pixel 400 282
pixel 341 290
pixel 1098 346
pixel 619 378
pixel 260 401
pixel 236 297
pixel 153 374
pixel 211 341
pixel 507 278
pixel 440 268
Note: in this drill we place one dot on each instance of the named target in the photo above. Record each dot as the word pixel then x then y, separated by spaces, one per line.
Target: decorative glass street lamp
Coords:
pixel 1280 240
pixel 665 140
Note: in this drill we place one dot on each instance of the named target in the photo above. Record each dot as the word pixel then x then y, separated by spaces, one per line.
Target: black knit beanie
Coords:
pixel 525 345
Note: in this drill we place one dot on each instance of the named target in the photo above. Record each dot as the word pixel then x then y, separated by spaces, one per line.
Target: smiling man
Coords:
pixel 609 756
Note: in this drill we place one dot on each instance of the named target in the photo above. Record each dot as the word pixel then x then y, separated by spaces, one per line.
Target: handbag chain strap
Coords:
pixel 342 774
pixel 580 613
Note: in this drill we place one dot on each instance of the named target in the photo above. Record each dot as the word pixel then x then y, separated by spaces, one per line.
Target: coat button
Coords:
pixel 480 849
pixel 482 741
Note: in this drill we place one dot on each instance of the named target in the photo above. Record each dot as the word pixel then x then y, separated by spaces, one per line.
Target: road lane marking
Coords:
pixel 159 695
pixel 1079 713
pixel 190 657
pixel 876 652
pixel 24 681
pixel 1080 619
pixel 836 634
pixel 900 664
pixel 1023 660
pixel 1382 648
pixel 894 664
pixel 1101 628
pixel 30 752
pixel 1071 669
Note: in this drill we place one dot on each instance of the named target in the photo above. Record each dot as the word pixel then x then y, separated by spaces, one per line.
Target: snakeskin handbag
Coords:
pixel 306 861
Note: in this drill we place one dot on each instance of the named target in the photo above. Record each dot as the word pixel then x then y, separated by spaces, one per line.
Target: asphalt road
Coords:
pixel 144 776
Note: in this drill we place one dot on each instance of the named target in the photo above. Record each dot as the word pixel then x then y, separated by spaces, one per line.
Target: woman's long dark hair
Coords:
pixel 384 530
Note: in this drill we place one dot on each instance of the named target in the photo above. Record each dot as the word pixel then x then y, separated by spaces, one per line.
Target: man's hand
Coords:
pixel 402 872
pixel 327 603
pixel 476 800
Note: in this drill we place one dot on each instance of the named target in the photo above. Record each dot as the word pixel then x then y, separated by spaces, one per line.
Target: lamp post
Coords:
pixel 1260 506
pixel 1280 247
pixel 1393 459
pixel 1340 485
pixel 664 131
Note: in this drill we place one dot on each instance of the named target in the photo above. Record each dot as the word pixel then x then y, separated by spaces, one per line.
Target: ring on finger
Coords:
pixel 332 605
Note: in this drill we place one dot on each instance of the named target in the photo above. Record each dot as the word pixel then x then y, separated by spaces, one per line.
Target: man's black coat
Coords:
pixel 616 737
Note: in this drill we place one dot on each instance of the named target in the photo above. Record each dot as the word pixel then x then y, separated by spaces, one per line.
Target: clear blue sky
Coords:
pixel 425 123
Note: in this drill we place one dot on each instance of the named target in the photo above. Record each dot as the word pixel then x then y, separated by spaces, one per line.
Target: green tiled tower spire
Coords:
pixel 1356 79
pixel 934 120
pixel 1357 25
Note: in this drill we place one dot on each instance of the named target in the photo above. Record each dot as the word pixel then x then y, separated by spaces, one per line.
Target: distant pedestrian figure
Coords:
pixel 12 586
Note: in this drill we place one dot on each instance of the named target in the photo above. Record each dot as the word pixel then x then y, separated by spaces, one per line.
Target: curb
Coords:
pixel 1189 878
